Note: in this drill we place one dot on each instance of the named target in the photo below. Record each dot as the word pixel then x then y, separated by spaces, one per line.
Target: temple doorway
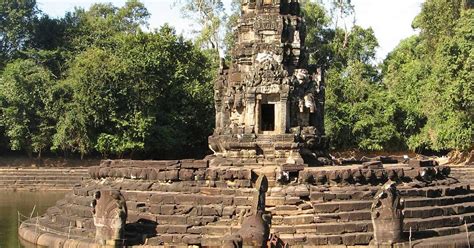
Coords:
pixel 268 117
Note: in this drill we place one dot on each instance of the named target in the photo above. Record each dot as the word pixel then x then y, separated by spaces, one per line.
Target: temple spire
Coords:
pixel 269 102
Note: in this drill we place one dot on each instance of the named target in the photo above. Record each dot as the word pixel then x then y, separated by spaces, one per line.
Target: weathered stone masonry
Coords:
pixel 269 102
pixel 266 179
pixel 193 203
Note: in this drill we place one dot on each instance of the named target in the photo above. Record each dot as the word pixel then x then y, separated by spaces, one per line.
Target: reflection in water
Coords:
pixel 23 202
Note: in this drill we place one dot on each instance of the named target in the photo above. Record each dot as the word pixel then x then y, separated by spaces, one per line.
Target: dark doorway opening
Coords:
pixel 312 119
pixel 268 117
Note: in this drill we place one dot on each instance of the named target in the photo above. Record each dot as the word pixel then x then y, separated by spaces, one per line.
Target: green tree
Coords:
pixel 24 88
pixel 138 95
pixel 72 134
pixel 100 23
pixel 16 24
pixel 431 76
pixel 357 115
pixel 232 21
pixel 319 34
pixel 211 17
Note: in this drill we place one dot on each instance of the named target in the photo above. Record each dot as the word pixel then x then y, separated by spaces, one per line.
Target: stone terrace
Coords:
pixel 191 203
pixel 41 178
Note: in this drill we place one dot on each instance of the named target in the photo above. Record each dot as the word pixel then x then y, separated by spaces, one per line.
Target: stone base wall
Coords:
pixel 41 178
pixel 191 203
pixel 16 161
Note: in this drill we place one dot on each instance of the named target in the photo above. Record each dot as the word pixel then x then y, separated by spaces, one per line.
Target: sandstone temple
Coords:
pixel 269 102
pixel 269 182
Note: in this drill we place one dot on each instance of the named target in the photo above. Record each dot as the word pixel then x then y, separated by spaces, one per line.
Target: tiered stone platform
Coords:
pixel 464 174
pixel 41 178
pixel 189 202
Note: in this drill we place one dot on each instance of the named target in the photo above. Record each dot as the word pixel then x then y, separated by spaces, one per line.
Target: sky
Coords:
pixel 390 19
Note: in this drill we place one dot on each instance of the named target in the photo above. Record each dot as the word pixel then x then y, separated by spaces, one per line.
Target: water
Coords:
pixel 24 202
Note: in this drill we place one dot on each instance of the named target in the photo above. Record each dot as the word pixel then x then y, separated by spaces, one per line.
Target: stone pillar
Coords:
pixel 250 116
pixel 284 118
pixel 218 106
pixel 257 116
pixel 387 216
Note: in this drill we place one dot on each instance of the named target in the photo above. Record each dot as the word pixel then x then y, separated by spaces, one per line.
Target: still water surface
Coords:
pixel 24 202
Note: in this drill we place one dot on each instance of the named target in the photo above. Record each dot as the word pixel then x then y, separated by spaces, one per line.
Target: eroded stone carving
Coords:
pixel 254 231
pixel 110 215
pixel 269 89
pixel 387 215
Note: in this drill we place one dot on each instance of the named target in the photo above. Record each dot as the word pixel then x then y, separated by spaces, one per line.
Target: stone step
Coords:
pixel 77 211
pixel 443 196
pixel 353 233
pixel 416 224
pixel 302 224
pixel 463 168
pixel 79 200
pixel 306 240
pixel 38 182
pixel 417 212
pixel 26 174
pixel 54 178
pixel 178 239
pixel 419 224
pixel 308 234
pixel 75 180
pixel 450 241
pixel 38 186
pixel 67 225
pixel 342 194
pixel 42 178
pixel 45 170
pixel 438 201
pixel 350 239
pixel 347 206
pixel 437 191
pixel 433 211
pixel 444 231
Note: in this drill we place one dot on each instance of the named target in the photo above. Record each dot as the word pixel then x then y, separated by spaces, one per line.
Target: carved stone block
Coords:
pixel 387 215
pixel 110 216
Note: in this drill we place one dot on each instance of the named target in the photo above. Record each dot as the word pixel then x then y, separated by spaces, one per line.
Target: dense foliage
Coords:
pixel 359 114
pixel 99 84
pixel 420 98
pixel 93 82
pixel 431 75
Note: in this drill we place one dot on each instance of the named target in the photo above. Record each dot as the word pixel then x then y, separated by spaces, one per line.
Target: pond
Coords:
pixel 24 202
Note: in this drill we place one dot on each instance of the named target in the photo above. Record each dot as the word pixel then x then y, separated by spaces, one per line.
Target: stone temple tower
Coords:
pixel 269 102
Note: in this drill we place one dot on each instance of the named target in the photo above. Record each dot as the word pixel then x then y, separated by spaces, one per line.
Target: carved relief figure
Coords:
pixel 296 34
pixel 110 215
pixel 267 71
pixel 303 88
pixel 387 216
pixel 219 90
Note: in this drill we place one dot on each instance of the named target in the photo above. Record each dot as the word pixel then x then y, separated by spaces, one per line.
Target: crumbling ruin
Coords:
pixel 269 102
pixel 267 182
